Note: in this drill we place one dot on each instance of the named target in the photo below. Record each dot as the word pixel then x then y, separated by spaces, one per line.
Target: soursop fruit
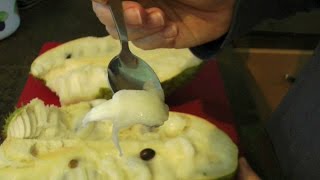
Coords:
pixel 76 70
pixel 44 142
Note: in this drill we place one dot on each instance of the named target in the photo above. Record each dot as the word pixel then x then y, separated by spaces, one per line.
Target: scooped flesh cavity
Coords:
pixel 127 108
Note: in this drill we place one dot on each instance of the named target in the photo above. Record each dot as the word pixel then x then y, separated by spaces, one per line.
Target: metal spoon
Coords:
pixel 127 71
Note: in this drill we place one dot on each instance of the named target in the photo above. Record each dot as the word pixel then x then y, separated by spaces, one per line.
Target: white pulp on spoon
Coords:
pixel 130 107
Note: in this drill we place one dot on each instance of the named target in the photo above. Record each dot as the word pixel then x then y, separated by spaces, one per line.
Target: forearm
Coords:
pixel 249 13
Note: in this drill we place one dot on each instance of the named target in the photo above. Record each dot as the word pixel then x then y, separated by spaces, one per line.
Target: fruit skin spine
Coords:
pixel 7 121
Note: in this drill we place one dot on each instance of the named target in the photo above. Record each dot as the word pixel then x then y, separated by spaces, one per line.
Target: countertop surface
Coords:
pixel 48 21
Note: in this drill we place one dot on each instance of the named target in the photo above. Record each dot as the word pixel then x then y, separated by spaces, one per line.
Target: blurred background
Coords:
pixel 257 69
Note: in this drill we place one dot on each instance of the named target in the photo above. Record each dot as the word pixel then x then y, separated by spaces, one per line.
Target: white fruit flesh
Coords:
pixel 26 123
pixel 83 83
pixel 200 151
pixel 35 120
pixel 187 147
pixel 130 107
pixel 33 123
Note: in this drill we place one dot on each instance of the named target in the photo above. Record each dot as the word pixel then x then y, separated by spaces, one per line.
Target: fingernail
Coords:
pixel 133 16
pixel 156 19
pixel 100 1
pixel 170 31
pixel 99 5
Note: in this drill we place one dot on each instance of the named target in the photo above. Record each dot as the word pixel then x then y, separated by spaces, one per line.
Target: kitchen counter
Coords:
pixel 50 20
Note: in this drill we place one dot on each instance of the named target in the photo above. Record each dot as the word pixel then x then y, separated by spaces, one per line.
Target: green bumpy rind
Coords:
pixel 104 93
pixel 169 86
pixel 7 121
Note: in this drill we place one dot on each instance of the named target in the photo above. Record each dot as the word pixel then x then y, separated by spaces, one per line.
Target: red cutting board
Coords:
pixel 204 96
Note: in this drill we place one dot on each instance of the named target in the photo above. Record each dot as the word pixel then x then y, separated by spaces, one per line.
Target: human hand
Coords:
pixel 170 23
pixel 245 172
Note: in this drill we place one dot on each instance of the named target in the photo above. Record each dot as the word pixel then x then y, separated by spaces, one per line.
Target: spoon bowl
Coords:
pixel 138 75
pixel 127 71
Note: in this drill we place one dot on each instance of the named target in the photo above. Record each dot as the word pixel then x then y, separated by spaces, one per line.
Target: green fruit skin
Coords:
pixel 7 121
pixel 104 93
pixel 169 86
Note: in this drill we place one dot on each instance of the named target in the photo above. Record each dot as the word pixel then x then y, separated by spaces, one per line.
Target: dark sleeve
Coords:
pixel 249 13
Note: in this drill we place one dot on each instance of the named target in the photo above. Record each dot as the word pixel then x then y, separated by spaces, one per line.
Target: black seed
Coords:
pixel 2 25
pixel 34 151
pixel 147 154
pixel 68 56
pixel 73 163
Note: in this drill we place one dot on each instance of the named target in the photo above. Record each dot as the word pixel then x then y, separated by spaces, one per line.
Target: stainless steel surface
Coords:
pixel 127 71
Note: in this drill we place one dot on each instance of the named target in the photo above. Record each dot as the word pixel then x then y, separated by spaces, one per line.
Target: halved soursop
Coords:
pixel 33 120
pixel 186 147
pixel 76 49
pixel 174 67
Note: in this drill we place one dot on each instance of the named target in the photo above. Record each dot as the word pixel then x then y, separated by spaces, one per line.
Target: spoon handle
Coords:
pixel 118 18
